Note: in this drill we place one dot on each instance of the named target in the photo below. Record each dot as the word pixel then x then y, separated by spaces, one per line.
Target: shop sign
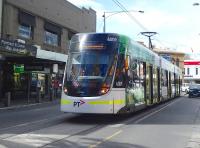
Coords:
pixel 33 67
pixel 16 47
pixel 18 68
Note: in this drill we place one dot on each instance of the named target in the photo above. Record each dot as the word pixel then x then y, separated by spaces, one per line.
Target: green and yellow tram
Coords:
pixel 110 73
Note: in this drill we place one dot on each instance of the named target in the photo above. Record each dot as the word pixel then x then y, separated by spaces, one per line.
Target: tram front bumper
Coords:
pixel 85 105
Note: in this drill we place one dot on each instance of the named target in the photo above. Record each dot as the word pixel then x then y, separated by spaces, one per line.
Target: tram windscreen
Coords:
pixel 88 65
pixel 89 72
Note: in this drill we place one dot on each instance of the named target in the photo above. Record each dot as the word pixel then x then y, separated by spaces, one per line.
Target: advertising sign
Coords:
pixel 17 48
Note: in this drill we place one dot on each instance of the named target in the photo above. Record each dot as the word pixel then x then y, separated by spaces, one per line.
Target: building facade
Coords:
pixel 47 23
pixel 192 71
pixel 34 43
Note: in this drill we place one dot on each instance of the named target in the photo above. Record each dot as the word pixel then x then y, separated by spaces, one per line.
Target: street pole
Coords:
pixel 115 12
pixel 104 22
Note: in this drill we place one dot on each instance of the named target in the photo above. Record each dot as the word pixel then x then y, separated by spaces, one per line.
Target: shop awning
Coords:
pixel 49 55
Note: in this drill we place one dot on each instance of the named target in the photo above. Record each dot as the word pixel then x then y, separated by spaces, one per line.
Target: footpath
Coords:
pixel 25 103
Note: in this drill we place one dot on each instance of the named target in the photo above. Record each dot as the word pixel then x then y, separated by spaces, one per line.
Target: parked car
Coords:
pixel 185 87
pixel 194 90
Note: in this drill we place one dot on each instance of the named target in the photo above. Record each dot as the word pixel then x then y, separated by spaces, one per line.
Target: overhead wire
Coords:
pixel 129 14
pixel 137 22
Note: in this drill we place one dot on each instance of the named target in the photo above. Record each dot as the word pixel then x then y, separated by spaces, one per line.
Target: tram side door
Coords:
pixel 158 88
pixel 151 83
pixel 170 87
pixel 148 84
pixel 145 83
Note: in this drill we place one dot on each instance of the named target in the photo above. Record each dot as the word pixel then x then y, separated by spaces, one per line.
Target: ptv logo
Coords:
pixel 78 103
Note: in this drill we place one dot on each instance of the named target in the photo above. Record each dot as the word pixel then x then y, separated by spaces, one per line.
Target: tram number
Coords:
pixel 112 39
pixel 78 103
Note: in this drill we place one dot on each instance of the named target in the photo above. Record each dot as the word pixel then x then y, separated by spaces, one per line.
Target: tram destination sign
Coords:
pixel 16 47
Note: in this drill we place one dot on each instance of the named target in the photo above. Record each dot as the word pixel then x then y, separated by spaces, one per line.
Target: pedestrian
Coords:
pixel 55 87
pixel 38 89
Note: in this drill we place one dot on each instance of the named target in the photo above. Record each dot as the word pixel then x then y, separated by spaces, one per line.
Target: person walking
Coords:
pixel 38 89
pixel 55 87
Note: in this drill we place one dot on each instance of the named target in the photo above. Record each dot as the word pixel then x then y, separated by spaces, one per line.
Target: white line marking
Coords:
pixel 116 125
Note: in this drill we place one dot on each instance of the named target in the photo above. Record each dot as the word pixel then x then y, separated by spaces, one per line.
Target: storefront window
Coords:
pixel 51 38
pixel 25 31
pixel 20 79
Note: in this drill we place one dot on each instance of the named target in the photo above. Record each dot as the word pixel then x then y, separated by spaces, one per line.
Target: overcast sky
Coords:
pixel 177 22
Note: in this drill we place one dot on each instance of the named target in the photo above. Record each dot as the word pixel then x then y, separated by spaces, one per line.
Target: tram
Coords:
pixel 109 73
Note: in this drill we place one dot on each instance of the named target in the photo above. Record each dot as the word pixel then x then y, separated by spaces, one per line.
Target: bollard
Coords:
pixel 7 99
pixel 38 98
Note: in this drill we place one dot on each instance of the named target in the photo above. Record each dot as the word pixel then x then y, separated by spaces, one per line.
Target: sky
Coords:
pixel 177 22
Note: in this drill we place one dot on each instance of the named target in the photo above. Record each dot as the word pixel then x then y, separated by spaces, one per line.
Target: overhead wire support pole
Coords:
pixel 104 22
pixel 113 13
pixel 129 15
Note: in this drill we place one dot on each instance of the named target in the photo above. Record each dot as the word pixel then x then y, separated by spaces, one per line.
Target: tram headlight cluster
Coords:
pixel 104 89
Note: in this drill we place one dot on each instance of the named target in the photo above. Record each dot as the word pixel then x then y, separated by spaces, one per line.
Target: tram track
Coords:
pixel 30 126
pixel 31 135
pixel 60 123
pixel 135 119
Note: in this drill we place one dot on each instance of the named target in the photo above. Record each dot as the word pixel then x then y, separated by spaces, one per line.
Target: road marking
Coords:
pixel 116 125
pixel 147 116
pixel 106 139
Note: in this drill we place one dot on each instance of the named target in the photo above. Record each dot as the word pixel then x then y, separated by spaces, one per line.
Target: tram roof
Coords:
pixel 140 51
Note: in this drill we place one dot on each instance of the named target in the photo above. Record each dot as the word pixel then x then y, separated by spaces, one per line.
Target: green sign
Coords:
pixel 18 68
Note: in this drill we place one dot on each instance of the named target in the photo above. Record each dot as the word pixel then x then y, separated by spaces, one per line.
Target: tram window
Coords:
pixel 134 73
pixel 166 73
pixel 188 71
pixel 120 73
pixel 164 78
pixel 141 73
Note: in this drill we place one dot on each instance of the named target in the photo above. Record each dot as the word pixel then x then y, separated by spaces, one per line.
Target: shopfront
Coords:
pixel 1 75
pixel 23 66
pixel 12 75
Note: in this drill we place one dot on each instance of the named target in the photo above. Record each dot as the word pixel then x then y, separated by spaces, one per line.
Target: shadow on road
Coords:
pixel 98 118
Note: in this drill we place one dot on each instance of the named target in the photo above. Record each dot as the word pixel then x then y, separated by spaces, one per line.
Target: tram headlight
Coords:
pixel 104 89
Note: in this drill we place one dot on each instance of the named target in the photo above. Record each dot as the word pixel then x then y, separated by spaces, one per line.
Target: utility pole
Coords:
pixel 149 35
pixel 104 22
pixel 113 13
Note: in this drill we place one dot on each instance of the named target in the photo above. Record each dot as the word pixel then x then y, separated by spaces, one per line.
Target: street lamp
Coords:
pixel 196 4
pixel 113 13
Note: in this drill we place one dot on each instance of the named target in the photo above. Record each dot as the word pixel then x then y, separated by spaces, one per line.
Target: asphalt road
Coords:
pixel 175 124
